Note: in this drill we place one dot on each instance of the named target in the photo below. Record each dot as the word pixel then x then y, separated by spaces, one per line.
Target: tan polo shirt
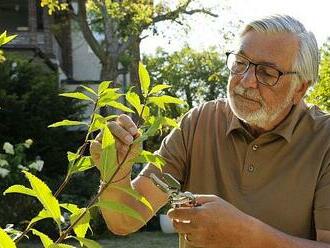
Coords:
pixel 282 177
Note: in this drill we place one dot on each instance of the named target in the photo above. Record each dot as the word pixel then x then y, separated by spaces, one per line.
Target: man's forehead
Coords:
pixel 278 49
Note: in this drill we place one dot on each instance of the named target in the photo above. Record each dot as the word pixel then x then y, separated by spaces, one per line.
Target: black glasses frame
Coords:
pixel 281 73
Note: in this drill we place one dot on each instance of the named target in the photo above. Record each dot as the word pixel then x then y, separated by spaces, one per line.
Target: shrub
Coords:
pixel 29 102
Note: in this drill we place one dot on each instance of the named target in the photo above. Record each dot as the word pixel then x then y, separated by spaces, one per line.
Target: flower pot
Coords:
pixel 166 224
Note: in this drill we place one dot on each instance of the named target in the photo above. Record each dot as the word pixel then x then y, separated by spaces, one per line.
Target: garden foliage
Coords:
pixel 78 223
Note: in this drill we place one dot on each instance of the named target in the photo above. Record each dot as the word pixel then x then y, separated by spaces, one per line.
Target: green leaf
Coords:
pixel 61 246
pixel 5 240
pixel 120 208
pixel 159 88
pixel 160 101
pixel 97 123
pixel 145 113
pixel 134 100
pixel 4 39
pixel 119 106
pixel 46 241
pixel 108 95
pixel 20 189
pixel 87 242
pixel 110 117
pixel 144 79
pixel 108 155
pixel 148 157
pixel 78 164
pixel 134 194
pixel 73 208
pixel 67 123
pixel 43 214
pixel 80 229
pixel 90 90
pixel 77 95
pixel 151 130
pixel 45 196
pixel 103 86
pixel 170 122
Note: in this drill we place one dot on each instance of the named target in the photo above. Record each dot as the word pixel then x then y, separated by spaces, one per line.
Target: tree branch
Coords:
pixel 81 18
pixel 172 15
pixel 125 45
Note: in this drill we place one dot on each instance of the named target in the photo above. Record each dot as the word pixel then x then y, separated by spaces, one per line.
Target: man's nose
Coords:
pixel 249 79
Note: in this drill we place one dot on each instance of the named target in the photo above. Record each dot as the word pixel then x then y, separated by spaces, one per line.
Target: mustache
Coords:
pixel 247 93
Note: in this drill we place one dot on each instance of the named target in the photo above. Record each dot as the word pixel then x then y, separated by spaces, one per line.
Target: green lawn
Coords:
pixel 137 240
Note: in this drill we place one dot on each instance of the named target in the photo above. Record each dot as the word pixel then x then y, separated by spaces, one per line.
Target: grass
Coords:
pixel 137 240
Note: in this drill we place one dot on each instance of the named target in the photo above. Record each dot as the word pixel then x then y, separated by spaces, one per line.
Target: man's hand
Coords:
pixel 125 131
pixel 215 223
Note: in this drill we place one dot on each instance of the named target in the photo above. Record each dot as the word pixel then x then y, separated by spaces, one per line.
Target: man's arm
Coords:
pixel 323 236
pixel 217 223
pixel 125 131
pixel 121 224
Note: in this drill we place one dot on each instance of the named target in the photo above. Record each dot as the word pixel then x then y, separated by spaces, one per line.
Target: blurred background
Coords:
pixel 181 42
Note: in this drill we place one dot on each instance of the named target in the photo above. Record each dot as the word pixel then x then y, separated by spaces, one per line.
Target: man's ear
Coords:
pixel 300 91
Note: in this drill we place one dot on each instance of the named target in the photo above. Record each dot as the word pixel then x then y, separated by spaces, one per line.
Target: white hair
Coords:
pixel 308 58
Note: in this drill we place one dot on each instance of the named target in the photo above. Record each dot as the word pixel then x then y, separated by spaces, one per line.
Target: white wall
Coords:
pixel 86 66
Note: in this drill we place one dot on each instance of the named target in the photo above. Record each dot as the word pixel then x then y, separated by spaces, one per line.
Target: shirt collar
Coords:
pixel 284 129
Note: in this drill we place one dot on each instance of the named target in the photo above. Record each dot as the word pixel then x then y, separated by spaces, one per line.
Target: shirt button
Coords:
pixel 251 168
pixel 255 147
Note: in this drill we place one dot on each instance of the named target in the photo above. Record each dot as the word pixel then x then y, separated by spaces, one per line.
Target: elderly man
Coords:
pixel 261 159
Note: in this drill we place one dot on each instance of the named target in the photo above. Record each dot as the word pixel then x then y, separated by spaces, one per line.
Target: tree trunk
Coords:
pixel 134 65
pixel 109 71
pixel 189 97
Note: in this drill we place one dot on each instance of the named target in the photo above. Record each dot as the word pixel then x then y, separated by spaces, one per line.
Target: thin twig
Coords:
pixel 81 151
pixel 102 189
pixel 93 201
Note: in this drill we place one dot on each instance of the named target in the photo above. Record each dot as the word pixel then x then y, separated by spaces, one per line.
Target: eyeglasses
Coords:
pixel 265 74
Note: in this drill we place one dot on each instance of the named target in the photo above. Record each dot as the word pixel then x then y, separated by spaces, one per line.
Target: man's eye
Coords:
pixel 267 72
pixel 240 62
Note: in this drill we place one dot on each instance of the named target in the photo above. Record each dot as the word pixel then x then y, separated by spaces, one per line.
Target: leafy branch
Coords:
pixel 109 166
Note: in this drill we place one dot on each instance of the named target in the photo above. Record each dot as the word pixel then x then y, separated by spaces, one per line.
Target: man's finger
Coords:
pixel 183 227
pixel 127 123
pixel 121 148
pixel 99 137
pixel 182 213
pixel 120 133
pixel 95 151
pixel 202 199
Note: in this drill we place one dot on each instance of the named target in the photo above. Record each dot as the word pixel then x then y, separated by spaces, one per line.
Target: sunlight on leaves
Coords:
pixel 120 208
pixel 46 241
pixel 134 194
pixel 144 79
pixel 45 196
pixel 20 189
pixel 77 95
pixel 67 123
pixel 108 156
pixel 5 240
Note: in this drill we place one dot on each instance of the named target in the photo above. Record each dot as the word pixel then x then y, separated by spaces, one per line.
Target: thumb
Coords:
pixel 202 199
pixel 95 150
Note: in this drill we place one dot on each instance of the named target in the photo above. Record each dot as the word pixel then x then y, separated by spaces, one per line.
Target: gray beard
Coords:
pixel 263 117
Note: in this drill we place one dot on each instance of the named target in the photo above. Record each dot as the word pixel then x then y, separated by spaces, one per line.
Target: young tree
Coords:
pixel 121 23
pixel 195 76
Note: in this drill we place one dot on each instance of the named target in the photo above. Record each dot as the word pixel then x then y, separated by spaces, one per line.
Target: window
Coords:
pixel 14 15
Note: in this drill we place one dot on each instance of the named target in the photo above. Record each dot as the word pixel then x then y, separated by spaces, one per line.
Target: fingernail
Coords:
pixel 133 130
pixel 129 139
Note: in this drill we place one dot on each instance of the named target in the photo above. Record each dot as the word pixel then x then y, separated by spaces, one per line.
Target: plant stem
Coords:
pixel 102 189
pixel 81 151
pixel 93 201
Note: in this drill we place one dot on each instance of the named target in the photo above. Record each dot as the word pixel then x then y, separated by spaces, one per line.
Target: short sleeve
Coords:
pixel 175 150
pixel 322 199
